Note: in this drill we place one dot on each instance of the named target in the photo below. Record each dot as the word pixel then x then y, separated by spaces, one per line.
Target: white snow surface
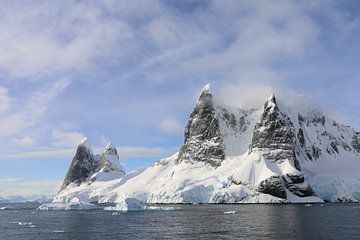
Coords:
pixel 333 175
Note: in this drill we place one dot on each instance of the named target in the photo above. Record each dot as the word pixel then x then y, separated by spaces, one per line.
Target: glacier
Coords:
pixel 280 153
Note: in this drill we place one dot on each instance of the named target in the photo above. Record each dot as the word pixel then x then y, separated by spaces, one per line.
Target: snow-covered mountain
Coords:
pixel 279 153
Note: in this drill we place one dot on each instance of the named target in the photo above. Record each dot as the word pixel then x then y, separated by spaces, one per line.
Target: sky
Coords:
pixel 130 71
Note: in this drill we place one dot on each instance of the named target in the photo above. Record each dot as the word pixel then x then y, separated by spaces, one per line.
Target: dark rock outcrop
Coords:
pixel 274 136
pixel 82 165
pixel 355 143
pixel 109 163
pixel 203 141
pixel 109 160
pixel 272 186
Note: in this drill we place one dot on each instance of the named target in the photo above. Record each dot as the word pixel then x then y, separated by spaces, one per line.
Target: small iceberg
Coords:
pixel 74 204
pixel 230 212
pixel 5 208
pixel 67 206
pixel 162 208
pixel 27 224
pixel 133 204
pixel 128 204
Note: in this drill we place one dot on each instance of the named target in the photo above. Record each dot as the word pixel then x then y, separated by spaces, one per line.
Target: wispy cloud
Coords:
pixel 28 113
pixel 25 141
pixel 124 152
pixel 27 187
pixel 130 71
pixel 66 139
pixel 170 126
pixel 49 36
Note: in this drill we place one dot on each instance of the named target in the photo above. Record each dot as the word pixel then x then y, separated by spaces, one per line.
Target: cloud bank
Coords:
pixel 130 71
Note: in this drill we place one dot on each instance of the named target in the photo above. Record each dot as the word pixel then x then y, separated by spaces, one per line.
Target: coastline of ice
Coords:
pixel 67 206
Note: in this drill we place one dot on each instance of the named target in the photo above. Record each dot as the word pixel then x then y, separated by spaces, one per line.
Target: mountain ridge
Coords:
pixel 236 155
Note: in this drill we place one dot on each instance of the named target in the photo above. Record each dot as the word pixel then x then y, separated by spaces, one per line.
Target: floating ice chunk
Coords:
pixel 230 212
pixel 162 208
pixel 5 208
pixel 24 223
pixel 128 204
pixel 28 224
pixel 67 206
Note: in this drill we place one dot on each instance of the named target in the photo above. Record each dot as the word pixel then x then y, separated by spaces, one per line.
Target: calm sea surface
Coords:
pixel 327 221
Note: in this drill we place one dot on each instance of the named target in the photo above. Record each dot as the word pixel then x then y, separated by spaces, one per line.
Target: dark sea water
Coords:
pixel 327 221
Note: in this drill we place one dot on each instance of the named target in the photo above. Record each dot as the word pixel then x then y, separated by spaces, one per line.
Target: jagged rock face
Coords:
pixel 274 134
pixel 328 136
pixel 272 186
pixel 109 160
pixel 203 139
pixel 82 166
pixel 109 166
pixel 355 143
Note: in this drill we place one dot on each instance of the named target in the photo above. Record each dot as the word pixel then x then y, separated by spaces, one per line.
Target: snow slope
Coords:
pixel 280 153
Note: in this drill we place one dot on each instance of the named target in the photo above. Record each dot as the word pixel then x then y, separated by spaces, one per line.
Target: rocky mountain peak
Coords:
pixel 203 140
pixel 85 143
pixel 205 98
pixel 82 165
pixel 110 146
pixel 270 102
pixel 109 160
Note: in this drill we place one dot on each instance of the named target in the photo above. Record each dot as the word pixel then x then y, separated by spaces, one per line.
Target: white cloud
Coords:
pixel 246 95
pixel 67 139
pixel 170 126
pixel 54 36
pixel 139 152
pixel 25 141
pixel 104 140
pixel 30 112
pixel 27 187
pixel 124 153
pixel 5 100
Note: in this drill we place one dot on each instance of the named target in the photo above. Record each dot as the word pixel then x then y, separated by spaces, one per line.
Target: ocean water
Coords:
pixel 319 221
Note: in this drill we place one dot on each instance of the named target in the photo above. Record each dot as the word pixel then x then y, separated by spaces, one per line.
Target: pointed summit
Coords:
pixel 110 160
pixel 206 89
pixel 205 98
pixel 84 141
pixel 270 102
pixel 82 165
pixel 110 145
pixel 202 138
pixel 109 166
pixel 272 98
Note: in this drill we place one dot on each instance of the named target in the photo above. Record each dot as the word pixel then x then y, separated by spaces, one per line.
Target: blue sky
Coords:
pixel 130 71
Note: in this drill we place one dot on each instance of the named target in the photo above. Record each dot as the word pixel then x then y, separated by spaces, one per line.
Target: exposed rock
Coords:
pixel 346 200
pixel 82 165
pixel 274 137
pixel 272 186
pixel 295 184
pixel 301 137
pixel 274 132
pixel 355 143
pixel 203 140
pixel 109 163
pixel 109 160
